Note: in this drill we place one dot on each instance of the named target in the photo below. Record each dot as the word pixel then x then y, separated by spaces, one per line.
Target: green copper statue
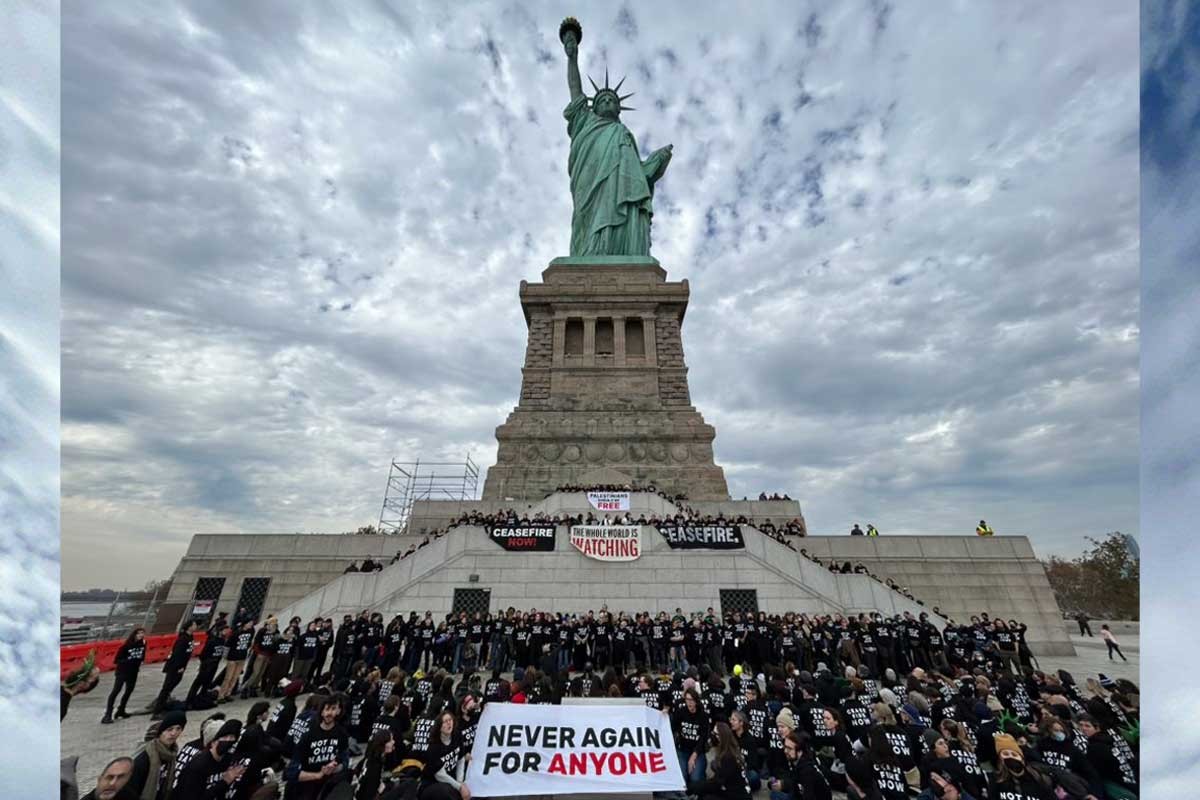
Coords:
pixel 611 186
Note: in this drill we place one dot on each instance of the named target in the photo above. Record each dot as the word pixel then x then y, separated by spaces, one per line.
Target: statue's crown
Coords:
pixel 606 89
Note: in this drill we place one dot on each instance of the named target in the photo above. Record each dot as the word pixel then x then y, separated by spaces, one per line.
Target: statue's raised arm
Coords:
pixel 611 186
pixel 570 33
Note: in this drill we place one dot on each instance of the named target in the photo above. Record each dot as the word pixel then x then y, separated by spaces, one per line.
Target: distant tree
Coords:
pixel 367 530
pixel 1102 583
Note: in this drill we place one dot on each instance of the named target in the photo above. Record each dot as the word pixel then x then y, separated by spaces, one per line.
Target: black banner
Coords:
pixel 523 537
pixel 703 537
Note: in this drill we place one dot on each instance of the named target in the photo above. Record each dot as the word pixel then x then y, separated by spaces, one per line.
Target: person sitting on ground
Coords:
pixel 352 568
pixel 154 763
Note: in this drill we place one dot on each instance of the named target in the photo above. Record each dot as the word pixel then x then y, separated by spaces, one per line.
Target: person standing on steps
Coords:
pixel 129 660
pixel 1111 641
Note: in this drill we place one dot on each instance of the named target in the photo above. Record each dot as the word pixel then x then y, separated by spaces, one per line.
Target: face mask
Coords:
pixel 1015 765
pixel 223 747
pixel 1058 736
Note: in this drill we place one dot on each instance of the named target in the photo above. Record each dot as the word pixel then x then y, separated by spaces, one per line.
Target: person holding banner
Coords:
pixel 691 727
pixel 445 768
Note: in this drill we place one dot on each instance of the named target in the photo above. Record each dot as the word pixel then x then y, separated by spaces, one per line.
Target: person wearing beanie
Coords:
pixel 785 723
pixel 154 763
pixel 1011 778
pixel 199 780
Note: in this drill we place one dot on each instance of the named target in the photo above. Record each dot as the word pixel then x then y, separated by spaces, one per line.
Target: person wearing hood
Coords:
pixel 210 774
pixel 1012 780
pixel 154 762
pixel 800 778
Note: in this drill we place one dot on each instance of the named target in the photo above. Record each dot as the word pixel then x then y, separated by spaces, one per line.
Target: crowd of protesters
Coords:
pixel 796 704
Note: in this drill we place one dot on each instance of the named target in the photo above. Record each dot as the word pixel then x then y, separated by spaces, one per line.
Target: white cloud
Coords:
pixel 295 236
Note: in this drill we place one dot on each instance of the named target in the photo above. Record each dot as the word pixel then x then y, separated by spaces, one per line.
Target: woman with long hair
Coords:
pixel 729 780
pixel 441 778
pixel 130 656
pixel 690 725
pixel 369 775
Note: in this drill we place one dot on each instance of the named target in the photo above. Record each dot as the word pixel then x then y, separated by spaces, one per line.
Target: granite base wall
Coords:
pixel 959 575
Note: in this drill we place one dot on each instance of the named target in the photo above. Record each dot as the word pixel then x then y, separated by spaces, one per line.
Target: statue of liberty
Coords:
pixel 611 186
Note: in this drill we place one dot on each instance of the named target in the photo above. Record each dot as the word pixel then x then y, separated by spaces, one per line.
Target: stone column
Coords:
pixel 560 340
pixel 618 341
pixel 589 341
pixel 651 342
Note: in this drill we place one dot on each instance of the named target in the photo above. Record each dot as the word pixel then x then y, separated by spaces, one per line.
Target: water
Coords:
pixel 76 610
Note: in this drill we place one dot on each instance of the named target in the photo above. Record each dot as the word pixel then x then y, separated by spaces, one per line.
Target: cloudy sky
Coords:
pixel 1170 166
pixel 292 238
pixel 29 395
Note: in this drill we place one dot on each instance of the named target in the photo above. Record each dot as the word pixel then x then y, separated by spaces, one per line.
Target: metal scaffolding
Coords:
pixel 410 481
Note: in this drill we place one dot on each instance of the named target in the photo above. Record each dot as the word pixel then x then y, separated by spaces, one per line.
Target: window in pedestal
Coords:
pixel 573 343
pixel 604 337
pixel 635 338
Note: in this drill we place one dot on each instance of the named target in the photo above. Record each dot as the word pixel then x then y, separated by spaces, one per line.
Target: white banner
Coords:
pixel 543 750
pixel 609 501
pixel 608 542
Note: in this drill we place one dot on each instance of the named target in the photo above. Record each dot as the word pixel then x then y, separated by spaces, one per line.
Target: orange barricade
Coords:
pixel 72 656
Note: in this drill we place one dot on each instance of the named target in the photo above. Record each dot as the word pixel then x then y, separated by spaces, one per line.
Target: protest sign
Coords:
pixel 546 749
pixel 609 501
pixel 523 537
pixel 608 542
pixel 703 537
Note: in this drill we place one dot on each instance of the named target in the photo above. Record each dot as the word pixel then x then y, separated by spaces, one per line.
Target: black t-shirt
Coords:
pixel 309 641
pixel 691 730
pixel 200 778
pixel 319 746
pixel 240 645
pixel 442 756
pixel 130 656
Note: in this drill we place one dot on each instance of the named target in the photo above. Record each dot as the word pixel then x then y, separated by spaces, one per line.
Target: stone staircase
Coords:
pixel 566 580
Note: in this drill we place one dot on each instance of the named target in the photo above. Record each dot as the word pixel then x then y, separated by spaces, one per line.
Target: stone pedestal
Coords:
pixel 604 386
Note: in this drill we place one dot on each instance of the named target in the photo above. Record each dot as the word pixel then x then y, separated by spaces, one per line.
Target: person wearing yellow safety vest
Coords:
pixel 872 530
pixel 982 529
